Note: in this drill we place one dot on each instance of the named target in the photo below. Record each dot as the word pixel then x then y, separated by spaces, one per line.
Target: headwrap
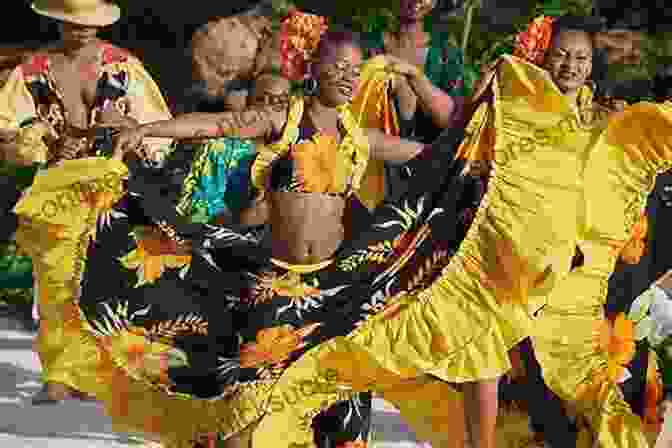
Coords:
pixel 300 35
pixel 533 43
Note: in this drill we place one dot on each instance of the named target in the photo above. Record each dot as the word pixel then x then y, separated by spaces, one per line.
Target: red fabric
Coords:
pixel 113 54
pixel 533 43
pixel 36 65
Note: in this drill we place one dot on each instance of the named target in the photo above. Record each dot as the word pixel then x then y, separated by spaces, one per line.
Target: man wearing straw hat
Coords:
pixel 62 103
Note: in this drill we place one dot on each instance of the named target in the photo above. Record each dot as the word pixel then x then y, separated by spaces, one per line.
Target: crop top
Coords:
pixel 305 160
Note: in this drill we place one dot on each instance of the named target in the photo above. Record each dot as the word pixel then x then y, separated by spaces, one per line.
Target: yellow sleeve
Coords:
pixel 16 107
pixel 146 103
pixel 16 102
pixel 372 108
pixel 621 171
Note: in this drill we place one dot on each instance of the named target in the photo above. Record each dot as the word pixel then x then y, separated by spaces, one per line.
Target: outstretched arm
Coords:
pixel 251 123
pixel 390 148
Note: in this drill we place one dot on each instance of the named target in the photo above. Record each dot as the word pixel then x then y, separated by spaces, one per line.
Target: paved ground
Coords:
pixel 71 425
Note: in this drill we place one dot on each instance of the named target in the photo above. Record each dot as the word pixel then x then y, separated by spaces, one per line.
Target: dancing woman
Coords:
pixel 431 295
pixel 141 261
pixel 565 48
pixel 61 104
pixel 417 106
pixel 550 164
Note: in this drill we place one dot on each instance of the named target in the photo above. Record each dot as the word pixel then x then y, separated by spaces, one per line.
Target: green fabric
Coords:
pixel 16 271
pixel 23 175
pixel 219 180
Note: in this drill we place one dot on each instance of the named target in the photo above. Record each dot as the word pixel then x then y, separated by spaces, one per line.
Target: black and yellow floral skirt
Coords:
pixel 196 325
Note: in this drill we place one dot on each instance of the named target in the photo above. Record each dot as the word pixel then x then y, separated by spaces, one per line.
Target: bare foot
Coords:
pixel 52 393
pixel 83 396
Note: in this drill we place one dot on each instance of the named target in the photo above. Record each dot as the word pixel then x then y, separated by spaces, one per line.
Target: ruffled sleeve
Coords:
pixel 18 113
pixel 373 108
pixel 633 150
pixel 142 99
pixel 266 154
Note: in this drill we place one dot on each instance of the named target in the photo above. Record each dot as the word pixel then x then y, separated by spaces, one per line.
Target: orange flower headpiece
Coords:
pixel 533 43
pixel 300 34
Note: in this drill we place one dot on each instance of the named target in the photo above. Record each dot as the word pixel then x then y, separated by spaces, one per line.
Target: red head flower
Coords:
pixel 300 34
pixel 533 43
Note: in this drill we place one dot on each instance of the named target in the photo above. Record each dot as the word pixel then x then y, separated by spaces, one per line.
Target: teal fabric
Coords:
pixel 444 65
pixel 222 178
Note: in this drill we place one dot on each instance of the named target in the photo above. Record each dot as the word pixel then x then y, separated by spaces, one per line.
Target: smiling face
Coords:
pixel 412 10
pixel 570 60
pixel 337 72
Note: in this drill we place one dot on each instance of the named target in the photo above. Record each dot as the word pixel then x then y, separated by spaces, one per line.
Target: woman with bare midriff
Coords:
pixel 204 295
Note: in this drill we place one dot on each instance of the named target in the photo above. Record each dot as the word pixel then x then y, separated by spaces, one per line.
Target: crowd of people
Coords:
pixel 342 217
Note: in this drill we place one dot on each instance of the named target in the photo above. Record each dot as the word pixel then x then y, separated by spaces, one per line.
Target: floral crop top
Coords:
pixel 304 160
pixel 30 95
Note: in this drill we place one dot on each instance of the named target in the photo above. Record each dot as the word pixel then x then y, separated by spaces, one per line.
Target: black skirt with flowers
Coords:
pixel 225 321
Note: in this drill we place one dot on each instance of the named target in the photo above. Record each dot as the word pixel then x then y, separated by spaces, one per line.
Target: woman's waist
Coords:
pixel 302 249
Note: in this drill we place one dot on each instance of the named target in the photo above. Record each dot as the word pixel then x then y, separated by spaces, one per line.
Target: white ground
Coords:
pixel 84 425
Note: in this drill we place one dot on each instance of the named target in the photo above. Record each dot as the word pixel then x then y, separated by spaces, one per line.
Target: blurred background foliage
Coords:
pixel 480 28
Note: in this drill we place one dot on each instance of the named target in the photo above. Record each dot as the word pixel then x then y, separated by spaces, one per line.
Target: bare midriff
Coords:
pixel 306 228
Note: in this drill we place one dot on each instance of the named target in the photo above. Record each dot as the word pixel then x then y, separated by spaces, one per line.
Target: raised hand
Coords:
pixel 402 67
pixel 405 48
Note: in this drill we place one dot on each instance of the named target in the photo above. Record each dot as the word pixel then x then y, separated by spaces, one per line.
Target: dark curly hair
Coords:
pixel 587 24
pixel 336 37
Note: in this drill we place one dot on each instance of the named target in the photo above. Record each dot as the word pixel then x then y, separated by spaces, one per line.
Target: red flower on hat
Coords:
pixel 37 65
pixel 533 43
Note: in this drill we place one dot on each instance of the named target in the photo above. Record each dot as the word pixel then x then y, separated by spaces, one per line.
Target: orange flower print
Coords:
pixel 319 168
pixel 154 253
pixel 352 444
pixel 635 248
pixel 392 310
pixel 653 392
pixel 617 339
pixel 274 345
pixel 289 285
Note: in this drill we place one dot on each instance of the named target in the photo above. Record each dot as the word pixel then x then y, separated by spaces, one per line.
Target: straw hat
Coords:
pixel 82 12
